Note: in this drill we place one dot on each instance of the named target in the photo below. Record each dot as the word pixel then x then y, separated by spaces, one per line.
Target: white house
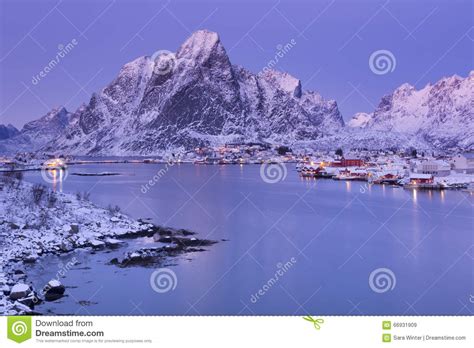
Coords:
pixel 464 163
pixel 434 167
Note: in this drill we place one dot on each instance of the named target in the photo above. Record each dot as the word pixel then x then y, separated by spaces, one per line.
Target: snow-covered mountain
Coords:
pixel 195 97
pixel 441 115
pixel 36 134
pixel 359 120
pixel 8 131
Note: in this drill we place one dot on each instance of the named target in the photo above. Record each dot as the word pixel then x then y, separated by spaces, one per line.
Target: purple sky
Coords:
pixel 334 40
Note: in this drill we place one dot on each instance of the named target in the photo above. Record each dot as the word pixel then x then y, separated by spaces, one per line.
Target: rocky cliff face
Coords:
pixel 195 97
pixel 441 114
pixel 8 131
pixel 36 134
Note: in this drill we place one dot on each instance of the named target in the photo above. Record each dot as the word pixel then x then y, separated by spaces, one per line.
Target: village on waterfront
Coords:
pixel 410 169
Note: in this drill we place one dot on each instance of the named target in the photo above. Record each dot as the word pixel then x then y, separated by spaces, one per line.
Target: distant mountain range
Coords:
pixel 37 134
pixel 196 97
pixel 441 114
pixel 8 131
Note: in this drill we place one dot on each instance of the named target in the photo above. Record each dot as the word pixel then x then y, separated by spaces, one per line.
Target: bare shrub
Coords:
pixel 18 176
pixel 38 192
pixel 52 199
pixel 83 196
pixel 113 209
pixel 43 219
pixel 12 179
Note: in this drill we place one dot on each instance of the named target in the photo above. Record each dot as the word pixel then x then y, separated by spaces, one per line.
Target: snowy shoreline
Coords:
pixel 35 221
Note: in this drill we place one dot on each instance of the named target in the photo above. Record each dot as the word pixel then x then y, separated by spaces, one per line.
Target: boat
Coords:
pixel 388 178
pixel 307 174
pixel 469 188
pixel 356 174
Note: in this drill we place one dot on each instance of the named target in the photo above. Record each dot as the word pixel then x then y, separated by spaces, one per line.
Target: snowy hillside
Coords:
pixel 441 114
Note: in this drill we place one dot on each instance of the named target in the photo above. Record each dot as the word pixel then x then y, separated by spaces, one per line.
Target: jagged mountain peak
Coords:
pixel 58 111
pixel 59 115
pixel 405 88
pixel 283 81
pixel 201 99
pixel 200 40
pixel 442 114
pixel 8 131
pixel 200 46
pixel 359 120
pixel 38 133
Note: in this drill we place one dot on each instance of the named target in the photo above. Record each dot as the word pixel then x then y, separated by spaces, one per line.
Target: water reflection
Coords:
pixel 245 225
pixel 57 177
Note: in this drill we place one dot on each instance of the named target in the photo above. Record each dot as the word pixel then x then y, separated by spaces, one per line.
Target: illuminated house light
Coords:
pixel 55 163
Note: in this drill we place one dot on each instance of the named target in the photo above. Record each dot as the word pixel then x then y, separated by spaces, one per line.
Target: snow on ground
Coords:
pixel 36 221
pixel 455 178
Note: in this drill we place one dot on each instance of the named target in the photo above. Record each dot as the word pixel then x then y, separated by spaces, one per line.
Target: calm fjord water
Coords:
pixel 336 232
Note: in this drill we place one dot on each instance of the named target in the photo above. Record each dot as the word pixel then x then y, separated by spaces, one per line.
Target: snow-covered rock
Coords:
pixel 359 120
pixel 113 243
pixel 53 290
pixel 49 235
pixel 19 290
pixel 97 243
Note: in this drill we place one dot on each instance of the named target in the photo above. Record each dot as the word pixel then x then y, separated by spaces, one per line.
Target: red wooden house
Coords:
pixel 352 162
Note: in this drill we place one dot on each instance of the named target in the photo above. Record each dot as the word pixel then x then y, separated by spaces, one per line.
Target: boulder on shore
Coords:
pixel 53 290
pixel 113 243
pixel 97 244
pixel 19 290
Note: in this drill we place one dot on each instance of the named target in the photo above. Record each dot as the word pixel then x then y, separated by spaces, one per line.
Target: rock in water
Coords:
pixel 53 290
pixel 31 300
